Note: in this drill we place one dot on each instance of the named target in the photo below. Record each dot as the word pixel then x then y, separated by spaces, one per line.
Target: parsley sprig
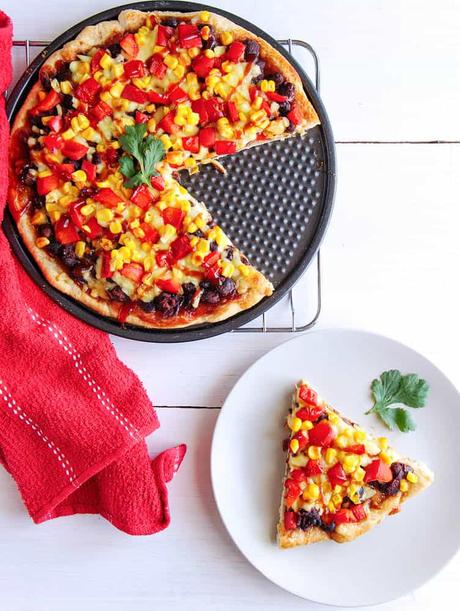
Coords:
pixel 143 154
pixel 393 387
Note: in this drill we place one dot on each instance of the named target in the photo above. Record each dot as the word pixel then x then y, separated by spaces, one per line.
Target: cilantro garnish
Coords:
pixel 393 387
pixel 143 155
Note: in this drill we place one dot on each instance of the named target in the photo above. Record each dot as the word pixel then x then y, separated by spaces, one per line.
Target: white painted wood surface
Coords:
pixel 390 264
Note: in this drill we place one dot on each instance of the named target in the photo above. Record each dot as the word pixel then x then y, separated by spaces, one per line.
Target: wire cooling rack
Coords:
pixel 293 327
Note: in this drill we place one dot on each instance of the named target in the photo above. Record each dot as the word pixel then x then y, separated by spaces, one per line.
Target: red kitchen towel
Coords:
pixel 73 418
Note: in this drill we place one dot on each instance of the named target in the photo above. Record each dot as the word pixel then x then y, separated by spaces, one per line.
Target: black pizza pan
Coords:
pixel 274 202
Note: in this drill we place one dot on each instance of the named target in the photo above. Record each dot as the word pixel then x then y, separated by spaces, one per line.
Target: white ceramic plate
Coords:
pixel 247 465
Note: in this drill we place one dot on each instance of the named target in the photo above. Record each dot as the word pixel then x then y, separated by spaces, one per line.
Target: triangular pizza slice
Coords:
pixel 98 221
pixel 340 480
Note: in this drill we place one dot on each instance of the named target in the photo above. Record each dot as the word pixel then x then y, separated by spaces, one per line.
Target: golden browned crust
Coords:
pixel 97 35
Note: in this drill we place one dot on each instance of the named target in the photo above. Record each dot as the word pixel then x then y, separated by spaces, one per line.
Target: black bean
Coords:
pixel 25 175
pixel 327 527
pixel 68 255
pixel 205 284
pixel 288 90
pixel 45 80
pixel 284 108
pixel 88 192
pixel 188 289
pixel 170 22
pixel 252 50
pixel 307 519
pixel 260 77
pixel 114 49
pixel 167 304
pixel 38 202
pixel 147 306
pixel 78 270
pixel 198 233
pixel 117 294
pixel 213 246
pixel 399 471
pixel 277 77
pixel 290 128
pixel 227 288
pixel 67 101
pixel 228 253
pixel 53 248
pixel 96 159
pixel 46 230
pixel 64 73
pixel 210 296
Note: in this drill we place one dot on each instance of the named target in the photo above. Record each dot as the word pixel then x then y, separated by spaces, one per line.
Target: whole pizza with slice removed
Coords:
pixel 340 480
pixel 95 151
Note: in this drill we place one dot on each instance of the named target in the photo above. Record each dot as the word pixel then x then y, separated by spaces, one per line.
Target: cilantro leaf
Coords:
pixel 143 154
pixel 392 387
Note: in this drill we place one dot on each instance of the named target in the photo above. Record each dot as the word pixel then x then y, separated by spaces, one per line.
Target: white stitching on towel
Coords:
pixel 104 400
pixel 20 413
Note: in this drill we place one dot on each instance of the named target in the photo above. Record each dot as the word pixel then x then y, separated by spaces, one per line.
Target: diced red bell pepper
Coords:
pixel 202 65
pixel 266 106
pixel 133 271
pixel 53 142
pixel 337 475
pixel 299 475
pixel 47 184
pixel 191 143
pixel 158 182
pixel 207 136
pixel 295 116
pixel 177 94
pixel 275 97
pixel 151 234
pixel 65 230
pixel 75 213
pixel 74 150
pixel 378 471
pixel 311 413
pixel 292 492
pixel 56 123
pixel 308 395
pixel 290 520
pixel 108 197
pixel 142 197
pixel 65 170
pixel 164 258
pixel 313 468
pixel 199 107
pixel 232 112
pixel 95 64
pixel 111 156
pixel 167 123
pixel 302 438
pixel 181 247
pixel 89 169
pixel 211 258
pixel 164 34
pixel 342 516
pixel 134 69
pixel 189 35
pixel 359 512
pixel 322 434
pixel 173 216
pixel 129 45
pixel 101 110
pixel 253 92
pixel 358 448
pixel 156 66
pixel 51 100
pixel 140 117
pixel 88 90
pixel 106 272
pixel 235 51
pixel 95 230
pixel 212 272
pixel 134 94
pixel 157 98
pixel 214 109
pixel 170 286
pixel 225 147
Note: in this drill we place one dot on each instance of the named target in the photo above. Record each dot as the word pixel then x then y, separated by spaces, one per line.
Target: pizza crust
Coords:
pixel 101 34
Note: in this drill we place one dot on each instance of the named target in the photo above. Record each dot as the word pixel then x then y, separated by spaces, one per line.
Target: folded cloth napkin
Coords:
pixel 73 418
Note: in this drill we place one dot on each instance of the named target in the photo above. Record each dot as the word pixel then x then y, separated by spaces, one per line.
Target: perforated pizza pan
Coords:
pixel 274 203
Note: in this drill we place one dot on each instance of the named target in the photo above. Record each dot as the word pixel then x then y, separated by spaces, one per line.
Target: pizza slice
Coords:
pixel 101 224
pixel 340 481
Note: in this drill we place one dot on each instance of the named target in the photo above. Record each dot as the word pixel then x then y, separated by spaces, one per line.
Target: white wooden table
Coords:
pixel 390 81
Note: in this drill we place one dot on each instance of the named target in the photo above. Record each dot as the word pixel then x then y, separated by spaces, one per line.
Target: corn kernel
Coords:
pixel 294 445
pixel 79 176
pixel 404 485
pixel 336 499
pixel 204 16
pixel 171 61
pixel 295 424
pixel 314 452
pixel 333 418
pixel 307 425
pixel 226 38
pixel 68 134
pixel 383 443
pixel 227 269
pixel 193 52
pixel 115 227
pixel 331 455
pixel 385 457
pixel 116 90
pixel 311 492
pixel 359 436
pixel 80 249
pixel 66 87
pixel 105 215
pixel 179 71
pixel 42 242
pixel 358 474
pixel 151 125
pixel 412 477
pixel 166 140
pixel 350 463
pixel 331 507
pixel 342 441
pixel 117 70
pixel 244 270
pixel 88 209
pixel 39 218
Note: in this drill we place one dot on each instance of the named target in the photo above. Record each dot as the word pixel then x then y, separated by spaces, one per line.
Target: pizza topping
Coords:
pixel 335 470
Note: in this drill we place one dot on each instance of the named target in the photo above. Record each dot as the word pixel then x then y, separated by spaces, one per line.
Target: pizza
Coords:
pixel 97 146
pixel 340 481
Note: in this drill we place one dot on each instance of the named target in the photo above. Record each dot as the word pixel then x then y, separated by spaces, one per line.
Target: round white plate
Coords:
pixel 247 464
